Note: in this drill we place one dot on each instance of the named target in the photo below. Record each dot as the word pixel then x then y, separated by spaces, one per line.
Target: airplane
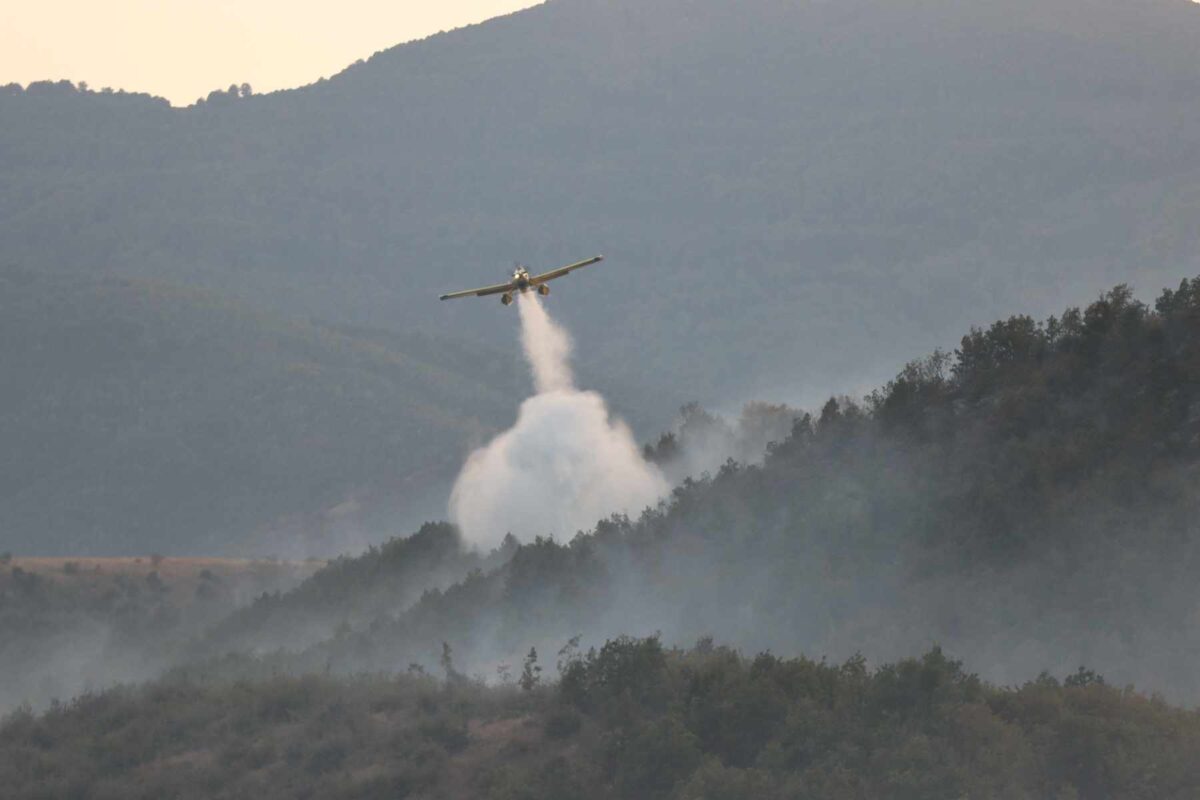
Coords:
pixel 523 282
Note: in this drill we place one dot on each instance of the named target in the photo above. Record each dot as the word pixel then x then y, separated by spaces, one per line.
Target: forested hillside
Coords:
pixel 794 195
pixel 71 625
pixel 1030 501
pixel 352 590
pixel 137 417
pixel 630 720
pixel 219 336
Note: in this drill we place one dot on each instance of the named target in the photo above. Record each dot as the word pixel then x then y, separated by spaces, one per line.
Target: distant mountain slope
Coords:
pixel 136 417
pixel 783 188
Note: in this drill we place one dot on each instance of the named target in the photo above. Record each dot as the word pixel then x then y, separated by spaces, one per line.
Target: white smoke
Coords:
pixel 564 465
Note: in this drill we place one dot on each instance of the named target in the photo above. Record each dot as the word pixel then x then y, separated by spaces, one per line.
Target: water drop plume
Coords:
pixel 547 348
pixel 564 464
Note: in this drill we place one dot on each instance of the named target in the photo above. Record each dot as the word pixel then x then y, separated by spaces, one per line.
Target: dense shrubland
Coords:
pixel 629 720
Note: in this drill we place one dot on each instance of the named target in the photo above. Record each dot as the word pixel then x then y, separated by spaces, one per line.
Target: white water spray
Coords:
pixel 563 466
pixel 547 348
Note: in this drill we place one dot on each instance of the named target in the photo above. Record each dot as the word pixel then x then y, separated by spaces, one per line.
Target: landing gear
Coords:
pixel 506 299
pixel 544 289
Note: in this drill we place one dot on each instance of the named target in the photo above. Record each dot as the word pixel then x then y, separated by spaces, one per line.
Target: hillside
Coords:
pixel 70 625
pixel 384 580
pixel 627 721
pixel 783 188
pixel 360 590
pixel 137 417
pixel 1030 502
pixel 84 582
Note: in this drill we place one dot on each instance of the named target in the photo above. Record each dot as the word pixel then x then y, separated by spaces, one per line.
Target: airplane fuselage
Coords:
pixel 522 282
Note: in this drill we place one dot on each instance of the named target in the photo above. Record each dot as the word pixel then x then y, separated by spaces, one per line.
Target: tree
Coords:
pixel 568 653
pixel 1084 677
pixel 531 673
pixel 447 662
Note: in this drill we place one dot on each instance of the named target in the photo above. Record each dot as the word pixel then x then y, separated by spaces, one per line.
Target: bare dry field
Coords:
pixel 181 577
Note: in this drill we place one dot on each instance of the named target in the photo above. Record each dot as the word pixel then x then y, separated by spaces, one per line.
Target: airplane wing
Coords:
pixel 558 273
pixel 486 290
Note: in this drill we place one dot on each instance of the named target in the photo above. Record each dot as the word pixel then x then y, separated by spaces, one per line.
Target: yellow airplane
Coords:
pixel 523 282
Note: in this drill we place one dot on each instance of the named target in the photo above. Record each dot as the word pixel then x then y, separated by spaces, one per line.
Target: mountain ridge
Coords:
pixel 140 418
pixel 766 178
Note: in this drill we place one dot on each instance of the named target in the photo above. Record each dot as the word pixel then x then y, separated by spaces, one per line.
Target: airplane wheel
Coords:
pixel 543 290
pixel 506 299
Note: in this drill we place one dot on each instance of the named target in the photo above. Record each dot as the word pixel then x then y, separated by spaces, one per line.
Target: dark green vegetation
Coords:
pixel 627 721
pixel 137 417
pixel 783 188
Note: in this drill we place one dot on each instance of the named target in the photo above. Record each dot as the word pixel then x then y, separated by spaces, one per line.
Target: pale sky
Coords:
pixel 183 49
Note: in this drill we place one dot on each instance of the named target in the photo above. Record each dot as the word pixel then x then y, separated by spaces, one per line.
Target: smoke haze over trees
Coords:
pixel 1029 502
pixel 631 720
pixel 218 333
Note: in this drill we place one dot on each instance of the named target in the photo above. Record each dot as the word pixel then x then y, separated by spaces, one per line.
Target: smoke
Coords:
pixel 565 463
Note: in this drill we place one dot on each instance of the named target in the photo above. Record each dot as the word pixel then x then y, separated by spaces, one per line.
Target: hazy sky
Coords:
pixel 183 49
